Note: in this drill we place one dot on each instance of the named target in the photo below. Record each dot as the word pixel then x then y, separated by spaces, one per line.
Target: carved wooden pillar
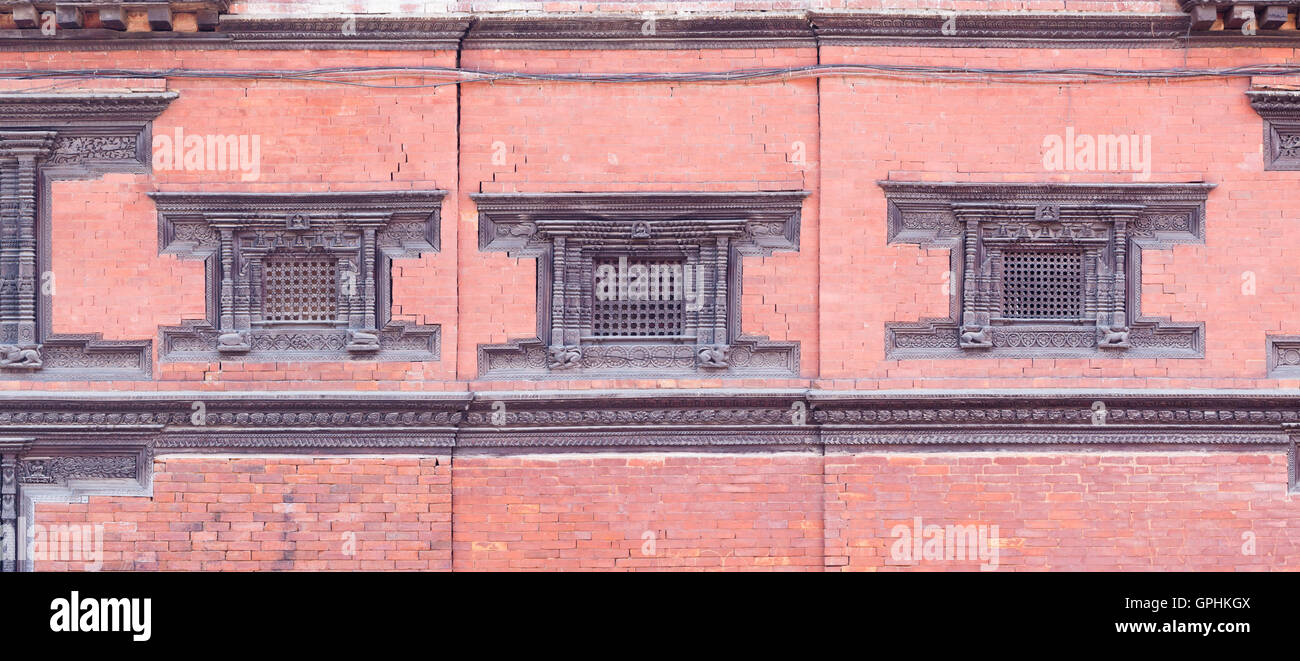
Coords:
pixel 8 249
pixel 1119 290
pixel 12 534
pixel 243 272
pixel 227 280
pixel 969 294
pixel 20 156
pixel 559 292
pixel 368 277
pixel 720 292
pixel 578 283
pixel 26 321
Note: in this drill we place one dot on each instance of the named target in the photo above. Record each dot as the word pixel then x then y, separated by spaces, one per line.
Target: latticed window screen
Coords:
pixel 663 314
pixel 299 289
pixel 1042 284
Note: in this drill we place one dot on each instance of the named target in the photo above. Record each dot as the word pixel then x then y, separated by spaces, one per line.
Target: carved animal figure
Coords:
pixel 12 355
pixel 1114 336
pixel 977 336
pixel 231 342
pixel 564 357
pixel 715 356
pixel 361 340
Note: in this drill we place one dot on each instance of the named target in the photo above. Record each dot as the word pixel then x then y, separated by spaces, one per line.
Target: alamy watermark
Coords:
pixel 1098 153
pixel 198 152
pixel 650 281
pixel 81 545
pixel 933 543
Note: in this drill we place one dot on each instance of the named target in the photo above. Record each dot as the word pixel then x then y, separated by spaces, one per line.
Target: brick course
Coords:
pixel 785 511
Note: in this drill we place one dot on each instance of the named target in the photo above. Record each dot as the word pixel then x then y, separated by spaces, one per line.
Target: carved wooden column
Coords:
pixel 559 292
pixel 1114 330
pixel 720 292
pixel 20 155
pixel 368 277
pixel 974 331
pixel 227 279
pixel 11 533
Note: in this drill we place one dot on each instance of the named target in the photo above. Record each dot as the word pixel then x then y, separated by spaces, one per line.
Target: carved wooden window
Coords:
pixel 299 276
pixel 639 283
pixel 1048 270
pixel 45 138
pixel 1280 110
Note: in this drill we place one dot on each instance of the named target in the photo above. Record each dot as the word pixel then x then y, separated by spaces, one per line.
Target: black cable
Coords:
pixel 451 76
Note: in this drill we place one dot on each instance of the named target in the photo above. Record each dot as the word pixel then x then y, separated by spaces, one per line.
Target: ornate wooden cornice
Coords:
pixel 993 30
pixel 576 32
pixel 327 421
pixel 1213 23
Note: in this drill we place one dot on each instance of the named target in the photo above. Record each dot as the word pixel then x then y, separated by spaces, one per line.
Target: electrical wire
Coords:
pixel 440 76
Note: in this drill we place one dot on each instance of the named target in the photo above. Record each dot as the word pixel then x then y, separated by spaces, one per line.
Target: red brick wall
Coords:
pixel 834 296
pixel 791 511
pixel 274 513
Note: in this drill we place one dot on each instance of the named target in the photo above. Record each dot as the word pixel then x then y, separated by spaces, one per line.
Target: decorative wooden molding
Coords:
pixel 350 238
pixel 999 30
pixel 345 32
pixel 706 233
pixel 93 423
pixel 44 138
pixel 1109 224
pixel 668 31
pixel 539 31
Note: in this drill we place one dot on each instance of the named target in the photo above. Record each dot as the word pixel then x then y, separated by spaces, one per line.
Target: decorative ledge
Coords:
pixel 1104 227
pixel 155 24
pixel 994 30
pixel 668 31
pixel 299 276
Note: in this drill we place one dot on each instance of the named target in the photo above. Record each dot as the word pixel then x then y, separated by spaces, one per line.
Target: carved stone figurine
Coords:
pixel 13 356
pixel 232 343
pixel 1113 337
pixel 363 341
pixel 976 336
pixel 713 356
pixel 560 358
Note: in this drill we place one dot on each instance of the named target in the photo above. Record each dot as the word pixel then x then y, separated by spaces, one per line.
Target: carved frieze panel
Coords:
pixel 639 283
pixel 303 276
pixel 44 138
pixel 1045 270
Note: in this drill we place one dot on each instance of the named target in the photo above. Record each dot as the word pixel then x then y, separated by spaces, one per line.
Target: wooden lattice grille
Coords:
pixel 655 310
pixel 1043 284
pixel 300 290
